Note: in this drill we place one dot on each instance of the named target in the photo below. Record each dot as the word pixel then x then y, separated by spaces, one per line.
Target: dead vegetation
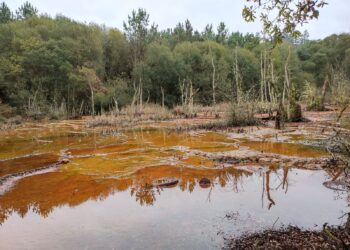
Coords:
pixel 130 115
pixel 295 238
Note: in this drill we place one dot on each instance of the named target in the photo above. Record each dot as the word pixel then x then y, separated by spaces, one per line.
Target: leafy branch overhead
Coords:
pixel 281 17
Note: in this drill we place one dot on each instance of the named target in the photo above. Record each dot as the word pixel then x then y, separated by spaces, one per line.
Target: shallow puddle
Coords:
pixel 108 195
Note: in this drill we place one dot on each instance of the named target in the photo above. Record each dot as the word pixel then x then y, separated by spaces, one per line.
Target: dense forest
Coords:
pixel 56 67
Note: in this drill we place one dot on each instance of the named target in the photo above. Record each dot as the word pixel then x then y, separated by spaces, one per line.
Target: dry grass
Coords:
pixel 130 116
pixel 218 110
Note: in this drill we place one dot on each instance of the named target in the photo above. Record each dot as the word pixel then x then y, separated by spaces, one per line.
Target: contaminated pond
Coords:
pixel 150 188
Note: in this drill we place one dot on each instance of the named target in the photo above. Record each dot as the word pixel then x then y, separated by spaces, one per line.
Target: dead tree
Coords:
pixel 94 84
pixel 237 75
pixel 162 91
pixel 286 86
pixel 213 76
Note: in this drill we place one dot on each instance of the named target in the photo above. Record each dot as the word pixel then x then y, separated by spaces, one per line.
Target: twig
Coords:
pixel 275 222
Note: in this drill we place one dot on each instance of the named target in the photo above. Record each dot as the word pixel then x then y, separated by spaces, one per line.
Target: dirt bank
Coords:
pixel 294 238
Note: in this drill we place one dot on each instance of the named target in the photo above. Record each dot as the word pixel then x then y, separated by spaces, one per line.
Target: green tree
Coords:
pixel 161 74
pixel 222 32
pixel 208 33
pixel 282 17
pixel 116 55
pixel 5 13
pixel 136 31
pixel 27 10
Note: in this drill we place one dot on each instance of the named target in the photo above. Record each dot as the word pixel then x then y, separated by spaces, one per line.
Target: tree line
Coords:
pixel 54 66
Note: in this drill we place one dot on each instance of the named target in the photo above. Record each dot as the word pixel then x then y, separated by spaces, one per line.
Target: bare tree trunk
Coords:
pixel 162 90
pixel 286 76
pixel 265 71
pixel 141 93
pixel 116 105
pixel 135 97
pixel 213 76
pixel 272 81
pixel 262 78
pixel 237 76
pixel 148 96
pixel 81 108
pixel 182 89
pixel 191 97
pixel 324 89
pixel 268 63
pixel 92 99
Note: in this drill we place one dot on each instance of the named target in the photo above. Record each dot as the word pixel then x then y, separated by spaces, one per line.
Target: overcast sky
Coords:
pixel 334 18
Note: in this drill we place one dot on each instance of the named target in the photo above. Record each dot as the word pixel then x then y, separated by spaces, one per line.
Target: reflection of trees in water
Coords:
pixel 145 195
pixel 266 185
pixel 43 193
pixel 272 202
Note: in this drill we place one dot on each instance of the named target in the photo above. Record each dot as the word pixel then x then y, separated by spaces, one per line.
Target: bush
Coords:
pixel 313 100
pixel 294 112
pixel 242 114
pixel 6 111
pixel 315 104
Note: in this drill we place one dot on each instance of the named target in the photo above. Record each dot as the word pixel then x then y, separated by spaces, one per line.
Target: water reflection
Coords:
pixel 43 193
pixel 118 175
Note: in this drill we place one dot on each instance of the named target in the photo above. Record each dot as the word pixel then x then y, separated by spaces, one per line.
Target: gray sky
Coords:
pixel 334 18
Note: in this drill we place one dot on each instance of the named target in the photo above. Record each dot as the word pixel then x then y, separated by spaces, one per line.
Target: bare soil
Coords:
pixel 294 238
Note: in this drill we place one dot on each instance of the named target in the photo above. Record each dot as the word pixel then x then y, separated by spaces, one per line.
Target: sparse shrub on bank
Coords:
pixel 242 114
pixel 311 98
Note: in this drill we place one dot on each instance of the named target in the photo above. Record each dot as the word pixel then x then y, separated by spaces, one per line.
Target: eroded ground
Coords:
pixel 63 185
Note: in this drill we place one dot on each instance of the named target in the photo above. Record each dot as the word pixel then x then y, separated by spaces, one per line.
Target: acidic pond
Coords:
pixel 108 196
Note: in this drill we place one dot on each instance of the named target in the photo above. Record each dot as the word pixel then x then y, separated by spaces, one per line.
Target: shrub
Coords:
pixel 6 111
pixel 242 114
pixel 294 112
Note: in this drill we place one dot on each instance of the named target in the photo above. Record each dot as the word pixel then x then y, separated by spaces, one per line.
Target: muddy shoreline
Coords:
pixel 294 238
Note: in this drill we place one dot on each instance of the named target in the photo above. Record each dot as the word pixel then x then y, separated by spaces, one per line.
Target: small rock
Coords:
pixel 166 182
pixel 65 161
pixel 204 183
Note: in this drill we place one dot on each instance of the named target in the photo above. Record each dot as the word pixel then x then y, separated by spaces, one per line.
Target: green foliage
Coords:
pixel 136 31
pixel 312 98
pixel 61 68
pixel 5 13
pixel 27 10
pixel 282 17
pixel 116 51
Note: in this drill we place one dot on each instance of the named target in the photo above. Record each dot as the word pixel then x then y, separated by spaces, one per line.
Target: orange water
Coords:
pixel 107 197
